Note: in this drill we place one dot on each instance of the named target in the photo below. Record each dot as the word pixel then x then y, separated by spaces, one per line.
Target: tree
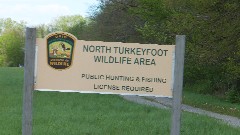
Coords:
pixel 113 22
pixel 72 24
pixel 12 38
pixel 212 29
pixel 42 30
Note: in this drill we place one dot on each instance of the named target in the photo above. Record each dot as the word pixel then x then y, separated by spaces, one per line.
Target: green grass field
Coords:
pixel 56 113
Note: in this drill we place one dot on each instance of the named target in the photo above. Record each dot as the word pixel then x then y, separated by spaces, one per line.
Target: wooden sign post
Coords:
pixel 30 45
pixel 123 68
pixel 178 83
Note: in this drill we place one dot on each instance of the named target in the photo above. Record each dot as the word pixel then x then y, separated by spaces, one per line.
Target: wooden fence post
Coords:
pixel 178 84
pixel 29 59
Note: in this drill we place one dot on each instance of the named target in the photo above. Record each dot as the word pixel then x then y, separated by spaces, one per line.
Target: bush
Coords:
pixel 202 86
pixel 233 96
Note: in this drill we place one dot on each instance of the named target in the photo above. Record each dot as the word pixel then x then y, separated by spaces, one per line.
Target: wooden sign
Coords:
pixel 70 65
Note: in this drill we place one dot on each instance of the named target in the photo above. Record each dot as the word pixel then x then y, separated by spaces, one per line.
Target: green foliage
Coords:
pixel 113 22
pixel 73 24
pixel 64 23
pixel 212 29
pixel 154 14
pixel 233 95
pixel 42 30
pixel 201 86
pixel 12 41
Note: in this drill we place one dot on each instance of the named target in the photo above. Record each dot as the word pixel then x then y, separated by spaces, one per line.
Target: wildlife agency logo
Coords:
pixel 60 48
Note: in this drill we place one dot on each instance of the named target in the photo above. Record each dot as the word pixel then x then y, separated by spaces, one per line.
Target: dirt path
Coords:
pixel 166 103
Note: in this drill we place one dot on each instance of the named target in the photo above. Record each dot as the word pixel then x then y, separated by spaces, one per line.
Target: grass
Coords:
pixel 210 103
pixel 57 113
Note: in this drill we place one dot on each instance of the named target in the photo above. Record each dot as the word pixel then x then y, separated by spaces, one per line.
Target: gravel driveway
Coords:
pixel 166 103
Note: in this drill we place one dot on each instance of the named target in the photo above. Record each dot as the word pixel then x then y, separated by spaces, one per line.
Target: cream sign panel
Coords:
pixel 70 65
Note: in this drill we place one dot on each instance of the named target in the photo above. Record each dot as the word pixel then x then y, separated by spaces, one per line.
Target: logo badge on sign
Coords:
pixel 60 48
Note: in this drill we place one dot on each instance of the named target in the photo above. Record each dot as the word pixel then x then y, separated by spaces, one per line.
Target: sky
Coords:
pixel 36 12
